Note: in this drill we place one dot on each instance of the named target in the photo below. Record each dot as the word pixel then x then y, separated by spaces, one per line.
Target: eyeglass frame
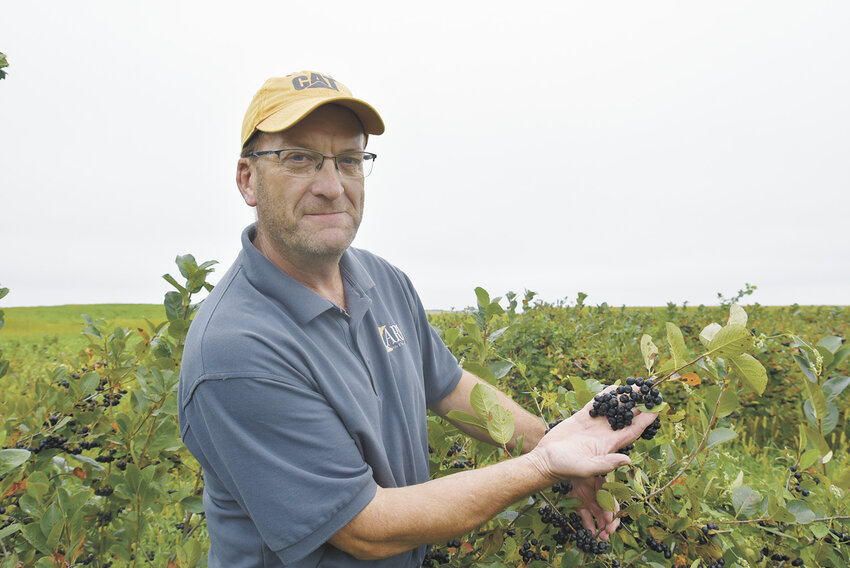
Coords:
pixel 372 156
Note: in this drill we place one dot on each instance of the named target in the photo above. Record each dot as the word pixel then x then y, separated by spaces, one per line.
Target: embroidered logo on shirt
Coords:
pixel 392 336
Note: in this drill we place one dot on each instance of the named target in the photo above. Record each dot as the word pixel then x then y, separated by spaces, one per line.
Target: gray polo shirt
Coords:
pixel 298 411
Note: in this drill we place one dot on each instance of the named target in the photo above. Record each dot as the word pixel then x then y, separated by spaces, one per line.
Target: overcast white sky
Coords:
pixel 640 152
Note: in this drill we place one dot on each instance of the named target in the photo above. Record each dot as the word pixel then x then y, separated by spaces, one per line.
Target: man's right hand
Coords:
pixel 582 446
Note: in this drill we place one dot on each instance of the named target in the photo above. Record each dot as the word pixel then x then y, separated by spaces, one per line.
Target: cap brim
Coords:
pixel 285 118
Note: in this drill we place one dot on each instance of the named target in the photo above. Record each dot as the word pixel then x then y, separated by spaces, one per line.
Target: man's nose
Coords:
pixel 328 182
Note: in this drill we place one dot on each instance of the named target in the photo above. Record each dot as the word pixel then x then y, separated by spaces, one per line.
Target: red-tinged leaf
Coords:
pixel 19 486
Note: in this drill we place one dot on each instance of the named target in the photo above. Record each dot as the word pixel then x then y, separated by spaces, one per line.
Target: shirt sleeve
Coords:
pixel 440 367
pixel 283 453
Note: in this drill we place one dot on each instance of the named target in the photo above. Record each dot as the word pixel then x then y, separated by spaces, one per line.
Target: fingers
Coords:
pixel 599 521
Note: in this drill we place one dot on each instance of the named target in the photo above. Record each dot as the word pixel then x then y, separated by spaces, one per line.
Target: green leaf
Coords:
pixel 606 500
pixel 501 425
pixel 745 501
pixel 677 345
pixel 801 511
pixel 728 404
pixel 618 489
pixel 173 306
pixel 818 399
pixel 466 418
pixel 808 459
pixel 832 343
pixel 835 386
pixel 719 436
pixel 649 351
pixel 783 515
pixel 12 458
pixel 731 340
pixel 737 315
pixel 193 504
pixel 33 534
pixel 708 333
pixel 88 460
pixel 583 394
pixel 500 368
pixel 838 357
pixel 56 528
pixel 806 367
pixel 482 297
pixel 170 279
pixel 750 370
pixel 499 422
pixel 186 264
pixel 10 530
pixel 178 328
pixel 828 423
pixel 480 371
pixel 817 440
pixel 497 334
pixel 88 383
pixel 483 399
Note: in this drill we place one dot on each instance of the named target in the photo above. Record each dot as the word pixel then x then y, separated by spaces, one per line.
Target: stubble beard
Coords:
pixel 288 237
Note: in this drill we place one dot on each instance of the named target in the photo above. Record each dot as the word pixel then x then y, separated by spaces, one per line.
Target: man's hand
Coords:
pixel 582 446
pixel 593 517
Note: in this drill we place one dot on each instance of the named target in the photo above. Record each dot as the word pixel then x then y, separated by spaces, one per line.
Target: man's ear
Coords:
pixel 246 181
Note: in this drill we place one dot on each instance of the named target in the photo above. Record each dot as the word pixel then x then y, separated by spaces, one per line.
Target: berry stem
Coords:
pixel 699 448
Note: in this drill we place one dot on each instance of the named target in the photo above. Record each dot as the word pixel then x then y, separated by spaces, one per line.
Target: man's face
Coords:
pixel 313 217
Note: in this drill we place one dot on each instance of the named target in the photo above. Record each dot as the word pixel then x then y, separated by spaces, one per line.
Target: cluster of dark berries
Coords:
pixel 798 477
pixel 652 429
pixel 659 547
pixel 434 557
pixel 719 563
pixel 51 442
pixel 563 487
pixel 104 518
pixel 108 457
pixel 617 406
pixel 706 530
pixel 842 537
pixel 553 424
pixel 652 396
pixel 527 553
pixel 571 529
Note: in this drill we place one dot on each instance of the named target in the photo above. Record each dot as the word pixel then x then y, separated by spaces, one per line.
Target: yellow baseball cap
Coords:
pixel 283 101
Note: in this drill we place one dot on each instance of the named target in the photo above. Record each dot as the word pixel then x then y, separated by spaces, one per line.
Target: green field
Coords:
pixel 62 324
pixel 105 479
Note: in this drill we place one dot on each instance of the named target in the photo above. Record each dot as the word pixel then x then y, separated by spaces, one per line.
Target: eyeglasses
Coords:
pixel 300 162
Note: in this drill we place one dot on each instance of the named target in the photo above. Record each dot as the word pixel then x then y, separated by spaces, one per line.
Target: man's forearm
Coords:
pixel 526 424
pixel 399 519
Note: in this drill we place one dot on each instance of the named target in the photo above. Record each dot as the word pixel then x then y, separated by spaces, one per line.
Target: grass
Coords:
pixel 63 324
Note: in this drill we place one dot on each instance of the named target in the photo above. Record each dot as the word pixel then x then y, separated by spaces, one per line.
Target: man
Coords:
pixel 308 370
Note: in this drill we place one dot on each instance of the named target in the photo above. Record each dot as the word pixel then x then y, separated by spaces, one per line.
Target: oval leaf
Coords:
pixel 750 370
pixel 719 436
pixel 12 458
pixel 648 350
pixel 731 340
pixel 606 500
pixel 677 345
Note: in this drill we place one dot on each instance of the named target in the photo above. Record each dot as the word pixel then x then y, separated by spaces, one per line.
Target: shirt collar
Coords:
pixel 272 282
